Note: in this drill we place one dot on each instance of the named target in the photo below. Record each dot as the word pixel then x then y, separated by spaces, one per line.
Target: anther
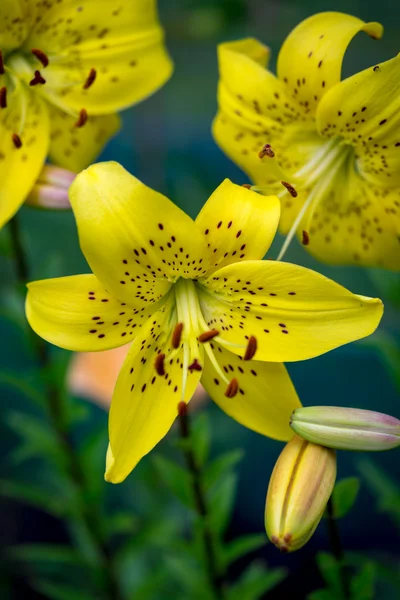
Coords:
pixel 195 366
pixel 232 389
pixel 176 335
pixel 37 79
pixel 90 79
pixel 305 239
pixel 3 97
pixel 251 348
pixel 16 140
pixel 208 335
pixel 83 117
pixel 159 364
pixel 2 71
pixel 40 55
pixel 289 188
pixel 247 186
pixel 182 409
pixel 266 150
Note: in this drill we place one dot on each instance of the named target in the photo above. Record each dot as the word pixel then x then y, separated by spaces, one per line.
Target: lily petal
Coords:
pixel 293 312
pixel 122 42
pixel 15 22
pixel 310 60
pixel 365 110
pixel 238 223
pixel 266 396
pixel 144 403
pixel 74 147
pixel 135 239
pixel 77 313
pixel 21 157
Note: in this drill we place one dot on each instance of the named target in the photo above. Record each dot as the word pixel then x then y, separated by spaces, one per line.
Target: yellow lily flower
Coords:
pixel 65 68
pixel 334 145
pixel 197 302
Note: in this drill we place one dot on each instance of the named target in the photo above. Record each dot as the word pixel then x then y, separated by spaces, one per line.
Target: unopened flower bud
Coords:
pixel 51 189
pixel 299 489
pixel 346 428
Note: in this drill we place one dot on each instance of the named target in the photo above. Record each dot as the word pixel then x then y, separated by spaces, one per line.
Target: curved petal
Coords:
pixel 123 42
pixel 238 224
pixel 132 235
pixel 16 17
pixel 21 160
pixel 77 313
pixel 145 403
pixel 74 147
pixel 293 312
pixel 365 110
pixel 310 60
pixel 266 396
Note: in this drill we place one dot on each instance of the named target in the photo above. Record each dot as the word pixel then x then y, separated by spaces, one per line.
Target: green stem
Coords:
pixel 337 548
pixel 59 422
pixel 215 577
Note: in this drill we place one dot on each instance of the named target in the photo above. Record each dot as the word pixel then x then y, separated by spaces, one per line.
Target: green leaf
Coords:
pixel 324 595
pixel 35 495
pixel 220 466
pixel 121 522
pixel 200 437
pixel 45 553
pixel 363 584
pixel 330 571
pixel 55 591
pixel 22 386
pixel 344 496
pixel 255 582
pixel 242 546
pixel 385 488
pixel 176 478
pixel 221 502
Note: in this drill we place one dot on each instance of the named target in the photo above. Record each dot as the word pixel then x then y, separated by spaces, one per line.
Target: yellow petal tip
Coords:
pixel 374 30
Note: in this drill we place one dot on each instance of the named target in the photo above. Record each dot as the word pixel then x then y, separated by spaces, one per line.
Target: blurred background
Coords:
pixel 166 142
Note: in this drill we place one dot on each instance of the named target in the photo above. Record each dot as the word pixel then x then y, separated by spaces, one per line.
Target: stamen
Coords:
pixel 2 71
pixel 251 348
pixel 208 335
pixel 176 335
pixel 3 97
pixel 306 238
pixel 37 79
pixel 90 79
pixel 159 364
pixel 40 55
pixel 83 117
pixel 247 185
pixel 182 409
pixel 195 366
pixel 266 150
pixel 290 189
pixel 16 140
pixel 232 388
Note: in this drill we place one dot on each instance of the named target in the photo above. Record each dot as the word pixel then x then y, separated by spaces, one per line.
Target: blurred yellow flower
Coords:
pixel 198 303
pixel 65 68
pixel 334 145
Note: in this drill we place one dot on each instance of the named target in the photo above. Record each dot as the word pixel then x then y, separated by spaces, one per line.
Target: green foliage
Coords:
pixel 256 581
pixel 342 581
pixel 384 487
pixel 344 496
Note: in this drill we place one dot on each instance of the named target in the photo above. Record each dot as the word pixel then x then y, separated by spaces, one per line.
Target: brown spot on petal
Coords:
pixel 251 348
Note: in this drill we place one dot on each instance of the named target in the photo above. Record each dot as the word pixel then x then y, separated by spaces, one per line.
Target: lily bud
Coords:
pixel 346 428
pixel 51 189
pixel 299 489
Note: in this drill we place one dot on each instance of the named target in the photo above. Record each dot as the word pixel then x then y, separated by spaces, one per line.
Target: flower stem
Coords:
pixel 215 576
pixel 59 421
pixel 337 548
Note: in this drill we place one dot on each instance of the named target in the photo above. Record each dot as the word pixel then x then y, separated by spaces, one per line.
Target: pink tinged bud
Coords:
pixel 347 428
pixel 300 486
pixel 51 189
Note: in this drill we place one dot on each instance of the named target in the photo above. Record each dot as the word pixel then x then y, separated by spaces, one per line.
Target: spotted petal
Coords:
pixel 21 157
pixel 77 313
pixel 293 312
pixel 122 41
pixel 144 403
pixel 310 60
pixel 238 224
pixel 15 21
pixel 365 110
pixel 266 396
pixel 135 240
pixel 74 148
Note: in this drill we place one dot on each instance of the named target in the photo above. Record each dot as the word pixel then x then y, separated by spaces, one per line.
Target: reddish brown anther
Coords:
pixel 251 348
pixel 305 239
pixel 16 140
pixel 247 185
pixel 182 409
pixel 289 188
pixel 2 71
pixel 40 55
pixel 37 79
pixel 3 97
pixel 176 335
pixel 83 117
pixel 90 79
pixel 195 366
pixel 266 150
pixel 232 389
pixel 206 336
pixel 159 364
